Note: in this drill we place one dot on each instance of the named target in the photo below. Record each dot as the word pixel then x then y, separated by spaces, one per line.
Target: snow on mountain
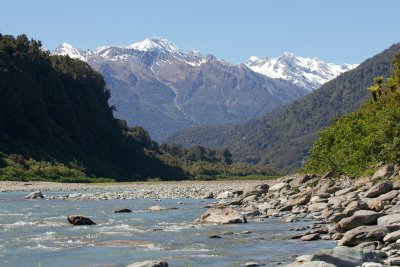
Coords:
pixel 309 73
pixel 67 49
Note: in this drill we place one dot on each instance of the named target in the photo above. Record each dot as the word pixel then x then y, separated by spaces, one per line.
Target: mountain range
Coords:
pixel 284 136
pixel 156 85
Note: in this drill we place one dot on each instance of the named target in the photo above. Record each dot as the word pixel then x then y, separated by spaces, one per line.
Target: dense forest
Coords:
pixel 365 138
pixel 56 124
pixel 284 136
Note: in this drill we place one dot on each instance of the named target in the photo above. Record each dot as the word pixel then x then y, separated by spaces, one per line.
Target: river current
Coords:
pixel 37 233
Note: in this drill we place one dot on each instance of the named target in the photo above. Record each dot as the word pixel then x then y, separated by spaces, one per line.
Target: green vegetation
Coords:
pixel 284 136
pixel 56 124
pixel 362 139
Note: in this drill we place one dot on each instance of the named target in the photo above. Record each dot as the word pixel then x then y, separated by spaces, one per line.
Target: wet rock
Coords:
pixel 252 264
pixel 361 217
pixel 223 215
pixel 310 237
pixel 392 237
pixel 379 189
pixel 365 234
pixel 34 195
pixel 391 219
pixel 123 211
pixel 80 220
pixel 160 208
pixel 156 263
pixel 214 236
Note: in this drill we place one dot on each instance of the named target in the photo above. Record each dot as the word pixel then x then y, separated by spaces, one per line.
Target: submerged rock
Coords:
pixel 160 208
pixel 122 211
pixel 222 215
pixel 80 220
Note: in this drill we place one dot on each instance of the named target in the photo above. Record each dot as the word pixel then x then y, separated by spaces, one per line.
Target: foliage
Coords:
pixel 284 136
pixel 363 138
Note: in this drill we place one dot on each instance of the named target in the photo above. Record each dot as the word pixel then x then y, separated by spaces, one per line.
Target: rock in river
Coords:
pixel 35 195
pixel 79 220
pixel 156 263
pixel 222 215
pixel 122 211
pixel 160 208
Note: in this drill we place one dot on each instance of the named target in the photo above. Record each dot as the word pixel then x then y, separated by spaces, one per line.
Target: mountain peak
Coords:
pixel 309 73
pixel 155 43
pixel 66 49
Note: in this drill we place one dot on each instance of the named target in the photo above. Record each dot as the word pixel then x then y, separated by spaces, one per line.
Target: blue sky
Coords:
pixel 335 31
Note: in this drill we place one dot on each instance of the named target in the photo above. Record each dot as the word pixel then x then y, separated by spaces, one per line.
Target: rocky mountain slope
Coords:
pixel 308 73
pixel 156 85
pixel 283 137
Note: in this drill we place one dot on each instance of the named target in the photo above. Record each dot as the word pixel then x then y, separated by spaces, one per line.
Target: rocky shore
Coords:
pixel 362 215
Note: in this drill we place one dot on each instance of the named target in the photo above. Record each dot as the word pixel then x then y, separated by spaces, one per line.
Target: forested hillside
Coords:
pixel 362 139
pixel 284 136
pixel 55 120
pixel 56 124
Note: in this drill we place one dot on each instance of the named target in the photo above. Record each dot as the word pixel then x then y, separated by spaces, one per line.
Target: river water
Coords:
pixel 36 233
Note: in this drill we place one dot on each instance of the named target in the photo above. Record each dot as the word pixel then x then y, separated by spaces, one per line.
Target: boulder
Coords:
pixel 354 206
pixel 345 191
pixel 318 264
pixel 298 180
pixel 123 211
pixel 224 195
pixel 156 263
pixel 80 220
pixel 257 190
pixel 365 234
pixel 317 206
pixel 160 208
pixel 371 264
pixel 361 217
pixel 393 261
pixel 392 237
pixel 379 189
pixel 296 200
pixel 207 195
pixel 278 187
pixel 340 256
pixel 391 219
pixel 34 195
pixel 310 237
pixel 384 172
pixel 223 215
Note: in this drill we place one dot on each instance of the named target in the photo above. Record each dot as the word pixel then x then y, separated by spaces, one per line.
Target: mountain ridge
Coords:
pixel 157 86
pixel 283 136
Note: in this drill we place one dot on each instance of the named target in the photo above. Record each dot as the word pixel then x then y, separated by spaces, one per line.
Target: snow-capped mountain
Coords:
pixel 156 85
pixel 309 73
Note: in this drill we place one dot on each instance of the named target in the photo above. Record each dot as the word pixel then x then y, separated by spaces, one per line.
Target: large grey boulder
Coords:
pixel 257 190
pixel 34 195
pixel 318 264
pixel 392 237
pixel 296 200
pixel 225 195
pixel 391 219
pixel 80 220
pixel 354 206
pixel 156 263
pixel 340 256
pixel 384 172
pixel 361 217
pixel 379 189
pixel 365 234
pixel 278 187
pixel 222 215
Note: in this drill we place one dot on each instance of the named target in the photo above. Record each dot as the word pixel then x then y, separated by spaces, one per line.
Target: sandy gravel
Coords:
pixel 131 190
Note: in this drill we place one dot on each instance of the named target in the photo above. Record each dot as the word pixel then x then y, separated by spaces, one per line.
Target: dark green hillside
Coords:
pixel 364 138
pixel 55 121
pixel 284 136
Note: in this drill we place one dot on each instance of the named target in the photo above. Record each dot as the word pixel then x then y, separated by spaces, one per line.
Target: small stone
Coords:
pixel 123 211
